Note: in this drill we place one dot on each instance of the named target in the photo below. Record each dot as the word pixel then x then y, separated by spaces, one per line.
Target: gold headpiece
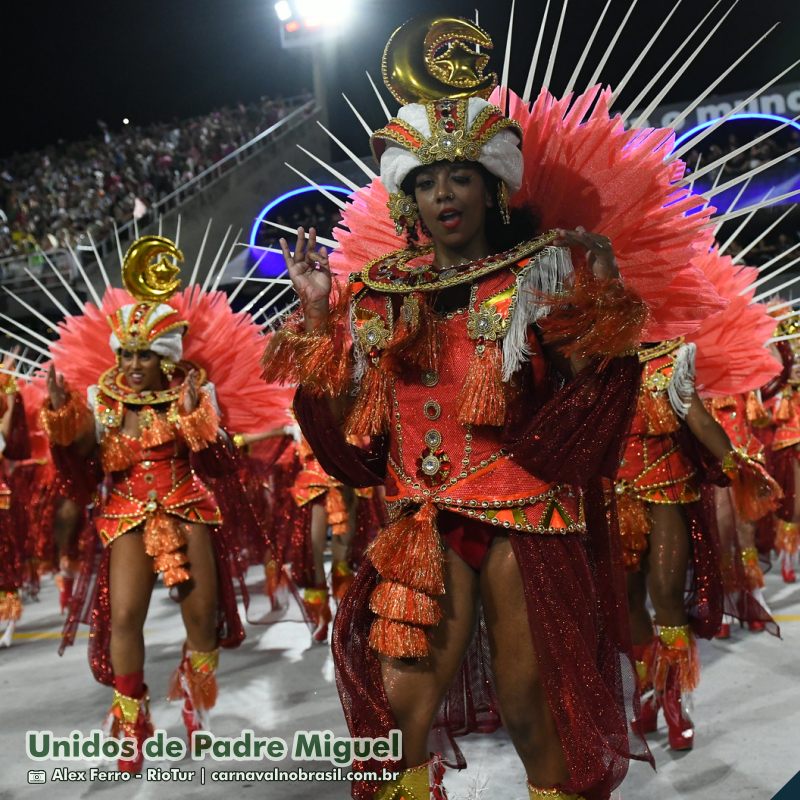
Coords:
pixel 430 58
pixel 149 270
pixel 150 274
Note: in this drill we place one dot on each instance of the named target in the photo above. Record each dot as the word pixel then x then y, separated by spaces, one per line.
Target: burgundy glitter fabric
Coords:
pixel 347 463
pixel 739 602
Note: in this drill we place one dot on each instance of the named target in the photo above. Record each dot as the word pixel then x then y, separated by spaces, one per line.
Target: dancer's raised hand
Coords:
pixel 311 276
pixel 56 389
pixel 600 254
pixel 190 391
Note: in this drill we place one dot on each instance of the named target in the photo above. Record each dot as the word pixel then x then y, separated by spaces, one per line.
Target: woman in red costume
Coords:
pixel 665 496
pixel 435 332
pixel 784 444
pixel 496 386
pixel 151 426
pixel 742 576
pixel 13 441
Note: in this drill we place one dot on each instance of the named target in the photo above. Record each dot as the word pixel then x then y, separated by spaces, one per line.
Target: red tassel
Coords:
pixel 684 658
pixel 392 600
pixel 599 317
pixel 336 510
pixel 784 410
pixel 756 413
pixel 482 399
pixel 634 527
pixel 409 551
pixel 371 413
pixel 755 492
pixel 398 639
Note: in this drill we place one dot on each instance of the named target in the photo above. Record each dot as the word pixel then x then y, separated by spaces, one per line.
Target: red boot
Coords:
pixel 341 577
pixel 676 675
pixel 195 681
pixel 129 717
pixel 787 569
pixel 724 631
pixel 647 721
pixel 679 725
pixel 318 610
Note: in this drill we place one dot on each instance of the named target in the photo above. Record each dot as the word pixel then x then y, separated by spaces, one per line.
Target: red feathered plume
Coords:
pixel 732 354
pixel 583 168
pixel 226 344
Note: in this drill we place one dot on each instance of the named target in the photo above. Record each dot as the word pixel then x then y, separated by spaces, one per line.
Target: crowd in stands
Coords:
pixel 55 195
pixel 781 238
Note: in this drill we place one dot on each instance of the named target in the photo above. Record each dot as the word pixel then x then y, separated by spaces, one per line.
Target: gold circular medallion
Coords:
pixel 432 410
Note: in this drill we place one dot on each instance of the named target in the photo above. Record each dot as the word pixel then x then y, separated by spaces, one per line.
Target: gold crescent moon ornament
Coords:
pixel 150 269
pixel 430 58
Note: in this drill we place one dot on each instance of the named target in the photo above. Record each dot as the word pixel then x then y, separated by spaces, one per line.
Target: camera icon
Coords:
pixel 37 776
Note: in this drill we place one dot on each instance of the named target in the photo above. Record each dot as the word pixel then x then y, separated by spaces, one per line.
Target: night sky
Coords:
pixel 65 65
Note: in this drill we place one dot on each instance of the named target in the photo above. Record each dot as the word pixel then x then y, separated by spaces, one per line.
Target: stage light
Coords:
pixel 125 121
pixel 283 10
pixel 306 23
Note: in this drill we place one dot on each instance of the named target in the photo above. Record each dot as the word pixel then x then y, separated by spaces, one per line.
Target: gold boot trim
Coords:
pixel 204 662
pixel 412 784
pixel 551 794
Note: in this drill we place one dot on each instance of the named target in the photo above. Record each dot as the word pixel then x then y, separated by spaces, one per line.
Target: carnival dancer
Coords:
pixel 666 530
pixel 152 427
pixel 783 402
pixel 330 506
pixel 742 575
pixel 13 443
pixel 496 388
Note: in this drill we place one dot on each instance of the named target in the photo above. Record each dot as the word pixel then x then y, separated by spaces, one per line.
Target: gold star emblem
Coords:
pixel 459 65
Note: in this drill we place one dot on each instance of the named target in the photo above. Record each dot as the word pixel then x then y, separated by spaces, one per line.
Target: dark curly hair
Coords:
pixel 525 222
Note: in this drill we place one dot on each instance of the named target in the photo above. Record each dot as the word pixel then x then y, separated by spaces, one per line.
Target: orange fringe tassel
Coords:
pixel 787 537
pixel 115 453
pixel 392 600
pixel 753 575
pixel 482 399
pixel 755 492
pixel 410 551
pixel 163 540
pixel 156 429
pixel 69 423
pixel 784 410
pixel 201 685
pixel 657 411
pixel 319 360
pixel 200 427
pixel 10 606
pixel 336 511
pixel 598 318
pixel 398 639
pixel 371 413
pixel 684 659
pixel 756 413
pixel 634 527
